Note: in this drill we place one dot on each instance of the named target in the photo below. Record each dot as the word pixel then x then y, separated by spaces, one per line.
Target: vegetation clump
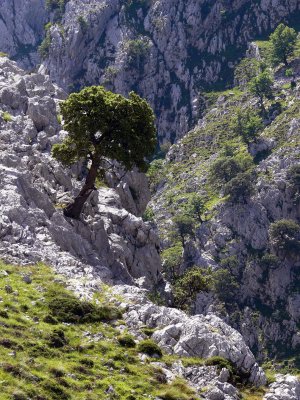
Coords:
pixel 126 340
pixel 67 308
pixel 177 390
pixel 103 125
pixel 240 188
pixel 283 41
pixel 150 348
pixel 284 235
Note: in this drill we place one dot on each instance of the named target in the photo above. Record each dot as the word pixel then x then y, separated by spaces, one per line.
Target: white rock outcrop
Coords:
pixel 108 242
pixel 190 336
pixel 286 387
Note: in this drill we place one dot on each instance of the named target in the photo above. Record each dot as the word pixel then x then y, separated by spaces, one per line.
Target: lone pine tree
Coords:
pixel 103 125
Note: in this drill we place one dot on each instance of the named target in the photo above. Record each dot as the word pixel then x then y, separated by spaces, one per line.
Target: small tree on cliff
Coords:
pixel 262 87
pixel 103 125
pixel 283 41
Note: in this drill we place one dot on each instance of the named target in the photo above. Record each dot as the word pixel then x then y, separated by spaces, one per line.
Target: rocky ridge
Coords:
pixel 235 234
pixel 108 245
pixel 166 51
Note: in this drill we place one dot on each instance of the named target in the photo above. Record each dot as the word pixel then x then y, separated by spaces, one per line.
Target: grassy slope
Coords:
pixel 88 366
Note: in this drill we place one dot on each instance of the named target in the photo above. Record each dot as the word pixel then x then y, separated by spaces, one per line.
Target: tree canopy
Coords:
pixel 104 125
pixel 283 41
pixel 262 87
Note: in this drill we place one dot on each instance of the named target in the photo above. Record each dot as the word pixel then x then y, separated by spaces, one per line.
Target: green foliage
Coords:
pixel 154 173
pixel 65 307
pixel 82 23
pixel 6 116
pixel 225 285
pixel 283 41
pixel 183 227
pixel 177 390
pixel 148 215
pixel 68 361
pixel 57 338
pixel 149 347
pixel 2 54
pixel 137 50
pixel 53 5
pixel 246 70
pixel 240 188
pixel 284 235
pixel 247 124
pixel 132 6
pixel 44 47
pixel 228 166
pixel 293 175
pixel 186 287
pixel 220 362
pixel 269 261
pixel 172 259
pixel 289 72
pixel 126 340
pixel 195 207
pixel 262 87
pixel 102 124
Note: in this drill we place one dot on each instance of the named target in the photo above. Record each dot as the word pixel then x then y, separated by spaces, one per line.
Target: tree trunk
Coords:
pixel 73 210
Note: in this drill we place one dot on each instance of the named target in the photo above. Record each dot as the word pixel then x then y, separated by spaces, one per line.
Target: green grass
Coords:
pixel 6 116
pixel 48 351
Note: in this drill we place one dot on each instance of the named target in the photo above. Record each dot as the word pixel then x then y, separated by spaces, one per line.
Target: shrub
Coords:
pixel 195 207
pixel 246 70
pixel 177 390
pixel 247 124
pixel 283 41
pixel 284 235
pixel 225 285
pixel 154 173
pixel 172 259
pixel 6 116
pixel 240 188
pixel 224 169
pixel 126 340
pixel 56 391
pixel 87 362
pixel 184 226
pixel 57 339
pixel 187 286
pixel 148 331
pixel 49 319
pixel 262 87
pixel 289 72
pixel 67 308
pixel 293 175
pixel 82 23
pixel 220 362
pixel 148 215
pixel 4 314
pixel 44 47
pixel 269 261
pixel 150 348
pixel 136 51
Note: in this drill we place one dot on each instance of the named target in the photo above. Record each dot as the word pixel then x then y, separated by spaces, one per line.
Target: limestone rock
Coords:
pixel 286 387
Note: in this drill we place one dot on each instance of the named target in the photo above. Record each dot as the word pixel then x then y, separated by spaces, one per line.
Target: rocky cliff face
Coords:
pixel 111 242
pixel 165 50
pixel 108 245
pixel 235 234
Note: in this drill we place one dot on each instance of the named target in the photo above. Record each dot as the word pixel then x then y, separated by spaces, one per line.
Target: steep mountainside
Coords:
pixel 199 303
pixel 233 241
pixel 165 50
pixel 108 245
